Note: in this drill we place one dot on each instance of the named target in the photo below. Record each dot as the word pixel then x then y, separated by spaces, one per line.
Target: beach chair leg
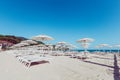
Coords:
pixel 29 64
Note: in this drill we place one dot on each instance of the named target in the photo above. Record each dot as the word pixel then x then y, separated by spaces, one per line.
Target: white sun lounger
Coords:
pixel 27 60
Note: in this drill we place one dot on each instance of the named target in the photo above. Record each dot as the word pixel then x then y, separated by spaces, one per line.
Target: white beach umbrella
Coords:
pixel 85 40
pixel 72 46
pixel 97 48
pixel 103 45
pixel 29 42
pixel 26 44
pixel 42 38
pixel 62 43
pixel 110 48
pixel 19 45
pixel 117 46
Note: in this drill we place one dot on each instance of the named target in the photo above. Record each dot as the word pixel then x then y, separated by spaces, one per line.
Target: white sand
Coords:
pixel 61 68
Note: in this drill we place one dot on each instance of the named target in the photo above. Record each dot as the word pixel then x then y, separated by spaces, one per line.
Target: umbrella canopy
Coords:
pixel 62 43
pixel 25 44
pixel 42 38
pixel 71 46
pixel 85 40
pixel 118 46
pixel 29 42
pixel 97 46
pixel 19 45
pixel 104 45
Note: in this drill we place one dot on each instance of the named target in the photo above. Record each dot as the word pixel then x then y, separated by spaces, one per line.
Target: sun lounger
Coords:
pixel 27 60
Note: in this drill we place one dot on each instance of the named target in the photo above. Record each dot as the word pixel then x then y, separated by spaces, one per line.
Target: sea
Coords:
pixel 94 50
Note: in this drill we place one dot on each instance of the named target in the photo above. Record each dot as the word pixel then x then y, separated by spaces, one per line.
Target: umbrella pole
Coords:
pixel 118 51
pixel 104 51
pixel 85 52
pixel 110 51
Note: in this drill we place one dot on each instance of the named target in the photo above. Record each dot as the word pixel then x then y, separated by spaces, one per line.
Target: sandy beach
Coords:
pixel 60 68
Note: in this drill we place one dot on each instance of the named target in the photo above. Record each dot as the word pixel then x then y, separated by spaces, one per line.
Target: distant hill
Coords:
pixel 11 39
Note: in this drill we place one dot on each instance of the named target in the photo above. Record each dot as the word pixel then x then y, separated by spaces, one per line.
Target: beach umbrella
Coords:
pixel 29 42
pixel 42 38
pixel 19 45
pixel 118 46
pixel 103 46
pixel 85 42
pixel 71 46
pixel 62 43
pixel 66 44
pixel 25 44
pixel 110 48
pixel 97 48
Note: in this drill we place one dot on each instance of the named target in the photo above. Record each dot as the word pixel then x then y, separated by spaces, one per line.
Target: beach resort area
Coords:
pixel 32 59
pixel 59 39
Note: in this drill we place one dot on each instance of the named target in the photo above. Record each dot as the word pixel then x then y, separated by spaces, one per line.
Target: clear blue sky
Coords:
pixel 64 20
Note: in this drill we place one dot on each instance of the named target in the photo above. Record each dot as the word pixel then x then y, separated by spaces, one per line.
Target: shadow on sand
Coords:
pixel 37 63
pixel 102 58
pixel 115 67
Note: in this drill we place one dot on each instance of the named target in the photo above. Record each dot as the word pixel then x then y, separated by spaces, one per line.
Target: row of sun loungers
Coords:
pixel 27 57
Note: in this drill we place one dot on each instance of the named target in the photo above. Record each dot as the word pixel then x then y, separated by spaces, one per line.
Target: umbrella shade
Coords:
pixel 85 40
pixel 42 38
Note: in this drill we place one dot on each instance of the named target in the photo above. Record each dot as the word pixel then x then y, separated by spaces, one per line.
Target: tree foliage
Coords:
pixel 11 38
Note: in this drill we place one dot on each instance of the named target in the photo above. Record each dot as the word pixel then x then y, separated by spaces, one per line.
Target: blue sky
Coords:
pixel 64 20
